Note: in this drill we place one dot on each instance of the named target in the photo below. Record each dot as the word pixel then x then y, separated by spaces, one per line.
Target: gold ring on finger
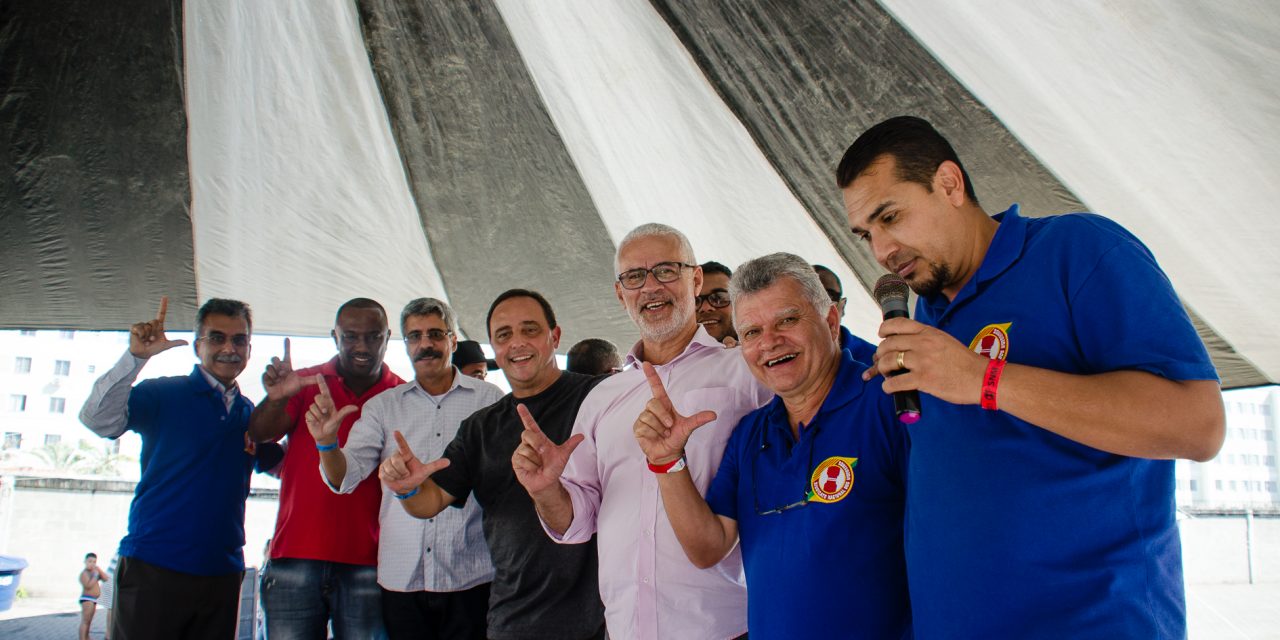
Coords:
pixel 902 357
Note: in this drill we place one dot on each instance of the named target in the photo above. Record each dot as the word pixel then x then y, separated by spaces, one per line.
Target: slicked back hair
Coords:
pixel 761 273
pixel 358 303
pixel 223 307
pixel 655 230
pixel 913 143
pixel 429 306
pixel 521 293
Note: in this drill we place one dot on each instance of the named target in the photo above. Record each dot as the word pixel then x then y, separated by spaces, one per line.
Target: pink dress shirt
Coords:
pixel 649 587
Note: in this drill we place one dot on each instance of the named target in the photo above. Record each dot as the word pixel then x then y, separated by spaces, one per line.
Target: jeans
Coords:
pixel 300 597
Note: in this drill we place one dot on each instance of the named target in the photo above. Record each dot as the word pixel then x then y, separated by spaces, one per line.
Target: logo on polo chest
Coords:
pixel 832 479
pixel 992 341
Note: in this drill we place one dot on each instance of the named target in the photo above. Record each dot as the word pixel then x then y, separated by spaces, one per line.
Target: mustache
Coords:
pixel 232 358
pixel 428 352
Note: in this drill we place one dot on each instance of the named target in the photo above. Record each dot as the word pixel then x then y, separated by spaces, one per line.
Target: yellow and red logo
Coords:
pixel 992 341
pixel 832 479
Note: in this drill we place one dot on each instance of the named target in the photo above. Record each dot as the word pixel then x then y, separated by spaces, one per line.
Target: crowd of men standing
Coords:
pixel 741 469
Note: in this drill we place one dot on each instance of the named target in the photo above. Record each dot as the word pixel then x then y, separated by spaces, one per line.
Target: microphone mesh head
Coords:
pixel 889 287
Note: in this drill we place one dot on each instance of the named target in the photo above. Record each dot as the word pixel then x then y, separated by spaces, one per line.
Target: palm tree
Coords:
pixel 60 456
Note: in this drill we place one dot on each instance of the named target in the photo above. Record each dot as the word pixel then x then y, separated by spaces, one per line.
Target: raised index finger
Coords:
pixel 655 384
pixel 324 386
pixel 164 308
pixel 287 360
pixel 402 445
pixel 527 418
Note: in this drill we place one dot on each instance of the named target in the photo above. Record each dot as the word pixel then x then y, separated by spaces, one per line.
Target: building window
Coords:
pixel 17 403
pixel 1217 484
pixel 22 365
pixel 12 440
pixel 52 438
pixel 57 405
pixel 93 368
pixel 61 367
pixel 1195 485
pixel 27 332
pixel 1271 486
pixel 114 446
pixel 1235 486
pixel 67 334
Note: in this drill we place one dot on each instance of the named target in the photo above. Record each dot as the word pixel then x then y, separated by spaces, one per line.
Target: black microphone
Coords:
pixel 891 294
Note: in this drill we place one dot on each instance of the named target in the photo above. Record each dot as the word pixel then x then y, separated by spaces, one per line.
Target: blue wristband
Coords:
pixel 326 447
pixel 405 496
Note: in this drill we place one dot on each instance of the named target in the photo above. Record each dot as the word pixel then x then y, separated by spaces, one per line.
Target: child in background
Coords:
pixel 90 590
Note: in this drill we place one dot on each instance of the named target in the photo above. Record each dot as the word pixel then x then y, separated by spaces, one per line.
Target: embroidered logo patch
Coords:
pixel 832 479
pixel 992 341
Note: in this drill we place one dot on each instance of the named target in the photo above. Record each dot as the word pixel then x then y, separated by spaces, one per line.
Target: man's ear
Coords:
pixel 555 338
pixel 949 180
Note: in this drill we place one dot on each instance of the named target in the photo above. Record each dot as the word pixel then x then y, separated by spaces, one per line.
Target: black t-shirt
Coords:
pixel 541 589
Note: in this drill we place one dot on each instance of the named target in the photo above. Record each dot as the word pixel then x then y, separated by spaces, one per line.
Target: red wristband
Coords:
pixel 990 382
pixel 679 464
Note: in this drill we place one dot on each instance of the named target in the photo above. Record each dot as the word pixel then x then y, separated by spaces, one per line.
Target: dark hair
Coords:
pixel 821 269
pixel 917 147
pixel 358 303
pixel 91 555
pixel 521 293
pixel 711 266
pixel 223 307
pixel 593 356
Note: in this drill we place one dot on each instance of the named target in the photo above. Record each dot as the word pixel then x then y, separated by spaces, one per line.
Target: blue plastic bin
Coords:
pixel 10 572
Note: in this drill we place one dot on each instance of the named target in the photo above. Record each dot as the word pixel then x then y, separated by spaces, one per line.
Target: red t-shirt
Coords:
pixel 313 522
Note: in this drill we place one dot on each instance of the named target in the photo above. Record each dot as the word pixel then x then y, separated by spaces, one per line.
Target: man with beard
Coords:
pixel 541 590
pixel 182 561
pixel 311 579
pixel 1042 487
pixel 715 311
pixel 599 481
pixel 434 573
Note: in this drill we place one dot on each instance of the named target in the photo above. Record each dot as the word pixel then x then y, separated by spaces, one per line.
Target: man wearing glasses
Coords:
pixel 605 487
pixel 434 573
pixel 814 483
pixel 186 523
pixel 314 579
pixel 715 313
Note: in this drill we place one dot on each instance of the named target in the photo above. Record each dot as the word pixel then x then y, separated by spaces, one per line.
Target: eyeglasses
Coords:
pixel 663 272
pixel 755 479
pixel 218 339
pixel 718 299
pixel 434 335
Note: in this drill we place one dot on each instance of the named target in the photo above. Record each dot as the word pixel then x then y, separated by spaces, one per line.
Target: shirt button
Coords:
pixel 646 581
pixel 428 549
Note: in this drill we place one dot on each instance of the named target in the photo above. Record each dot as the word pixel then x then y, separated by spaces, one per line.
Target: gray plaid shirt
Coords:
pixel 444 553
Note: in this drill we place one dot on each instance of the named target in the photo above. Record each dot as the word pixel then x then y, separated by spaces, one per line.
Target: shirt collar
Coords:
pixel 459 380
pixel 701 340
pixel 848 386
pixel 1006 246
pixel 214 383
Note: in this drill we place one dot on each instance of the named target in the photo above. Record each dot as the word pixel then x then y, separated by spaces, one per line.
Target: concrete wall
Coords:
pixel 1214 549
pixel 55 524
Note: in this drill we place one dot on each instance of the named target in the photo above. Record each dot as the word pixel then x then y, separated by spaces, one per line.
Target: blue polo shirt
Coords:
pixel 833 567
pixel 1013 531
pixel 861 350
pixel 188 509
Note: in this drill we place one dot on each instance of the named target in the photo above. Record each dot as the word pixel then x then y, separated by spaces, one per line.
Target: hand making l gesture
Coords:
pixel 538 462
pixel 403 471
pixel 323 420
pixel 146 339
pixel 280 380
pixel 661 431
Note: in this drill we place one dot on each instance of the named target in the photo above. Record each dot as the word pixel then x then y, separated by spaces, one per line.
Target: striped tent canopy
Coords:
pixel 295 154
